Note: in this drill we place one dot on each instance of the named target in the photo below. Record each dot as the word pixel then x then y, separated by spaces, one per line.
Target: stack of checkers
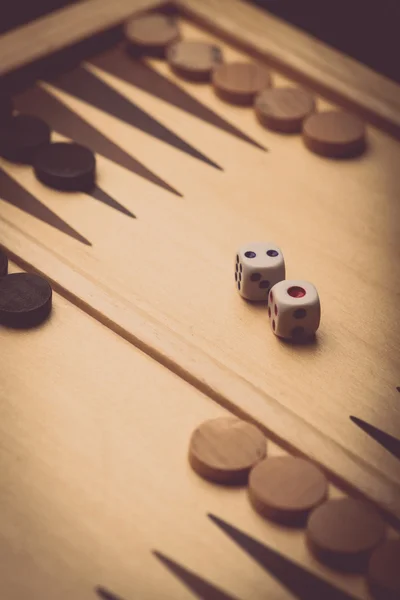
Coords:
pixel 288 110
pixel 344 533
pixel 25 298
pixel 26 139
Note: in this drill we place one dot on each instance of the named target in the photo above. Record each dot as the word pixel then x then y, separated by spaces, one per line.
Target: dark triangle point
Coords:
pixel 117 62
pixel 105 594
pixel 389 442
pixel 41 103
pixel 196 584
pixel 15 194
pixel 86 86
pixel 303 584
pixel 102 196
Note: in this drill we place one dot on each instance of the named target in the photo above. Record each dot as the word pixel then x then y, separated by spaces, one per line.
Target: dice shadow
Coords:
pixel 307 343
pixel 303 344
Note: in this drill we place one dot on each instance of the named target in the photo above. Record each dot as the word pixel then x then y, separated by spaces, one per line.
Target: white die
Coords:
pixel 294 309
pixel 259 265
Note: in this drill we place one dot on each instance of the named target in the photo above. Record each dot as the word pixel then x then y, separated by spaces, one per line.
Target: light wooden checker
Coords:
pixel 225 450
pixel 95 476
pixel 163 281
pixel 287 489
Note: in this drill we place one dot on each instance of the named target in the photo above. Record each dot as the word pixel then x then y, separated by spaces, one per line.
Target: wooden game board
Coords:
pixel 95 477
pixel 95 428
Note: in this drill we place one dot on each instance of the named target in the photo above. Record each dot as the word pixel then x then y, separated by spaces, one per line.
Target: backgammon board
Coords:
pixel 148 336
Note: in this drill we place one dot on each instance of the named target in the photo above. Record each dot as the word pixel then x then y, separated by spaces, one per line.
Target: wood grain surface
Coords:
pixel 94 476
pixel 164 280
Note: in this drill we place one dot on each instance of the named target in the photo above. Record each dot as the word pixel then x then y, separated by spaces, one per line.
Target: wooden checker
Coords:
pixel 6 108
pixel 383 570
pixel 344 532
pixel 183 178
pixel 151 34
pixel 286 489
pixel 240 82
pixel 66 166
pixel 194 60
pixel 284 109
pixel 25 300
pixel 335 134
pixel 224 450
pixel 22 137
pixel 3 263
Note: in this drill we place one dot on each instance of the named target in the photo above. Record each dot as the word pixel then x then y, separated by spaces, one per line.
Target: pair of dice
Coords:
pixel 293 305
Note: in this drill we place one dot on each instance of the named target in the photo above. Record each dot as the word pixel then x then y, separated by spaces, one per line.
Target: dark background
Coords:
pixel 367 30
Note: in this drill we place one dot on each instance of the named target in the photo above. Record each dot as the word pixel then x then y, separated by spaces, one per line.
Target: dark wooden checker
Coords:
pixel 183 180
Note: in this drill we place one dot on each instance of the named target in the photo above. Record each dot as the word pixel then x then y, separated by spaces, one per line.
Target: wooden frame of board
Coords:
pixel 296 55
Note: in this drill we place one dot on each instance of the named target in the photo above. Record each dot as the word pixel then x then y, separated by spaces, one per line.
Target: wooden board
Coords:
pixel 95 477
pixel 199 186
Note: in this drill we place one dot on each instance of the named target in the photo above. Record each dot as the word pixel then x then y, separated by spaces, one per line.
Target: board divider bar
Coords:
pixel 200 370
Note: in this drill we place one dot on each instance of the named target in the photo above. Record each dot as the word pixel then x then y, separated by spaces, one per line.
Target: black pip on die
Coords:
pixel 259 266
pixel 294 309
